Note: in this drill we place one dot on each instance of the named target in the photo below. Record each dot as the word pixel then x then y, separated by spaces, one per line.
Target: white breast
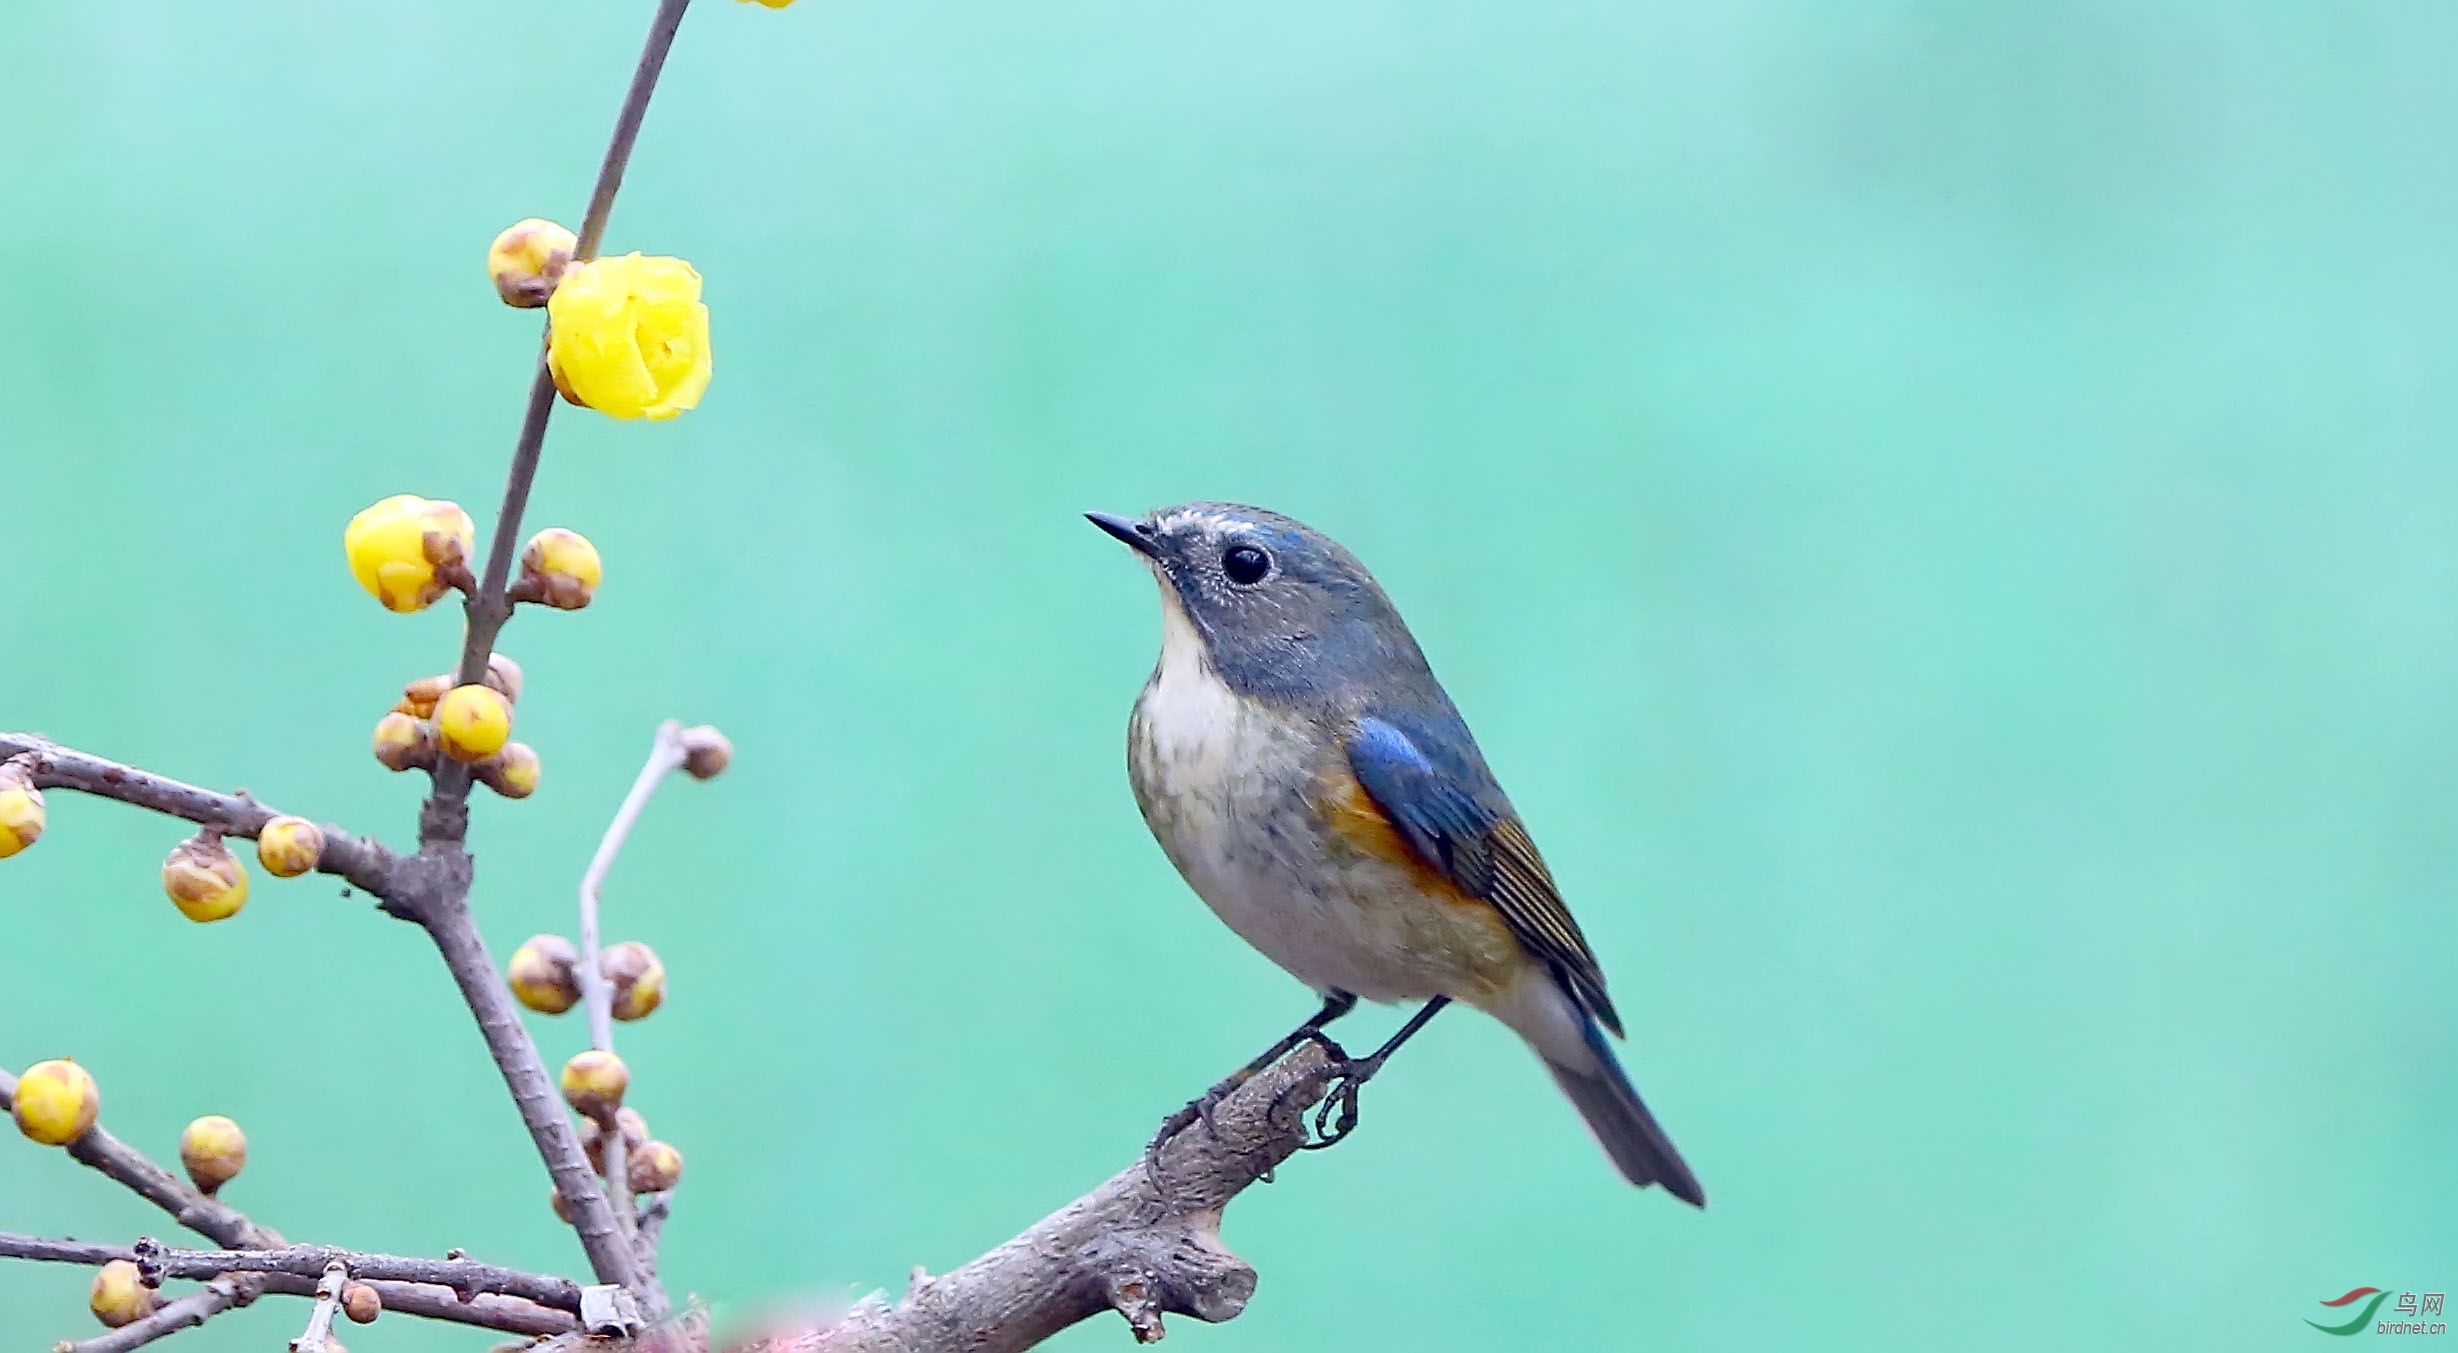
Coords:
pixel 1228 786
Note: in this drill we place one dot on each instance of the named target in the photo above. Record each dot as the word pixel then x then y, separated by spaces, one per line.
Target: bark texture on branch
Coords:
pixel 1144 1244
pixel 361 860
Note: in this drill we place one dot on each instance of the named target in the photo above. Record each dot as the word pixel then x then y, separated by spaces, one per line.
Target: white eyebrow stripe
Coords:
pixel 1218 521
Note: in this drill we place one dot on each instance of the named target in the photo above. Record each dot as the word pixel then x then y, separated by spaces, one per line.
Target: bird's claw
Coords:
pixel 1335 1117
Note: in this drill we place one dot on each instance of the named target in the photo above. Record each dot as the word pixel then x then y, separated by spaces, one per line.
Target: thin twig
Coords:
pixel 364 862
pixel 303 1261
pixel 666 755
pixel 320 1320
pixel 225 1293
pixel 216 1221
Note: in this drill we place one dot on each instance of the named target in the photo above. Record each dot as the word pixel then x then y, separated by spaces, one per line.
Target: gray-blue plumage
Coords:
pixel 1298 762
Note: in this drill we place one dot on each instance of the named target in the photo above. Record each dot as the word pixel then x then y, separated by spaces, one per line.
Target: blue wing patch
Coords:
pixel 1436 790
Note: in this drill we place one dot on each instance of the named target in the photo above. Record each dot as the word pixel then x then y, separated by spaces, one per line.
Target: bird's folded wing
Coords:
pixel 1448 809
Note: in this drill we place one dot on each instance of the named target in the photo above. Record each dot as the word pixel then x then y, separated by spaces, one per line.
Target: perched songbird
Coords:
pixel 1314 784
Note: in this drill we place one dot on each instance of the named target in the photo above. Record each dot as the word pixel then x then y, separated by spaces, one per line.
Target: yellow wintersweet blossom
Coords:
pixel 406 550
pixel 628 336
pixel 772 4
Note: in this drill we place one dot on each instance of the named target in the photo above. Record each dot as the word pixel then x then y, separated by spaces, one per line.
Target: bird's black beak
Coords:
pixel 1137 535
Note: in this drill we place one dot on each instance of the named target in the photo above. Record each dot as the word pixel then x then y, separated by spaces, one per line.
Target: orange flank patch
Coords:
pixel 1357 819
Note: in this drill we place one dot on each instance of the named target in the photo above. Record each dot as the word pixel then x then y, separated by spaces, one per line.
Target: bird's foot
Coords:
pixel 1335 1117
pixel 1202 1107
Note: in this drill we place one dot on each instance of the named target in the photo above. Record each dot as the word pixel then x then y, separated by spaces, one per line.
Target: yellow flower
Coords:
pixel 405 550
pixel 628 336
pixel 772 4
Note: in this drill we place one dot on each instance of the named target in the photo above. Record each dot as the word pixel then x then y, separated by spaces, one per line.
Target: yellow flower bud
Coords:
pixel 402 742
pixel 472 723
pixel 560 568
pixel 361 1303
pixel 119 1297
pixel 542 974
pixel 56 1102
pixel 214 1150
pixel 289 846
pixel 526 260
pixel 594 1082
pixel 628 336
pixel 706 752
pixel 407 551
pixel 653 1168
pixel 504 675
pixel 512 772
pixel 638 979
pixel 772 4
pixel 206 882
pixel 22 816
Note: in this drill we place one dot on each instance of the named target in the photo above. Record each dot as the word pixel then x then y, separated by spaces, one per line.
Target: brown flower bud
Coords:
pixel 504 675
pixel 119 1296
pixel 544 974
pixel 654 1168
pixel 706 752
pixel 214 1150
pixel 512 772
pixel 594 1082
pixel 593 1136
pixel 205 881
pixel 419 697
pixel 637 977
pixel 361 1303
pixel 405 743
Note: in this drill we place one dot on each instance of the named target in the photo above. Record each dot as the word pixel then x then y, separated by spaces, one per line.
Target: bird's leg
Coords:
pixel 1354 1073
pixel 1335 1004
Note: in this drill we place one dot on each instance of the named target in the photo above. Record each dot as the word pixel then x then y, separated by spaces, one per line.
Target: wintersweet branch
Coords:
pixel 222 1294
pixel 443 822
pixel 317 1337
pixel 1144 1244
pixel 216 1221
pixel 304 1261
pixel 364 862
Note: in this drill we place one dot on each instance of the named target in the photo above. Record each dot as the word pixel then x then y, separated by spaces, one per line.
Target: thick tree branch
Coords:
pixel 1144 1244
pixel 363 861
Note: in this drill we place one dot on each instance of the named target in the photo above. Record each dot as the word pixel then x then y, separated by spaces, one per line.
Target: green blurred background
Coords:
pixel 1943 515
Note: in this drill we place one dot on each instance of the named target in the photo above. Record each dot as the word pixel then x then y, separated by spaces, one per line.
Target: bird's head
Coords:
pixel 1275 604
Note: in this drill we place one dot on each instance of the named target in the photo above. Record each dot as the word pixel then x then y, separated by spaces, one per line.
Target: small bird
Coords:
pixel 1315 786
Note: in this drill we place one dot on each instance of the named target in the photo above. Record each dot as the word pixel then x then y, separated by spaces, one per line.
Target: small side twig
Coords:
pixel 214 1220
pixel 364 862
pixel 226 1293
pixel 314 1339
pixel 464 1276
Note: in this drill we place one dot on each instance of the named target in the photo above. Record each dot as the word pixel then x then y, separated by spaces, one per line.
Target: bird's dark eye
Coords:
pixel 1245 564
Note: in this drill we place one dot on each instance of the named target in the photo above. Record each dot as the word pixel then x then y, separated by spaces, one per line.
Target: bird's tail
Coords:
pixel 1629 1133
